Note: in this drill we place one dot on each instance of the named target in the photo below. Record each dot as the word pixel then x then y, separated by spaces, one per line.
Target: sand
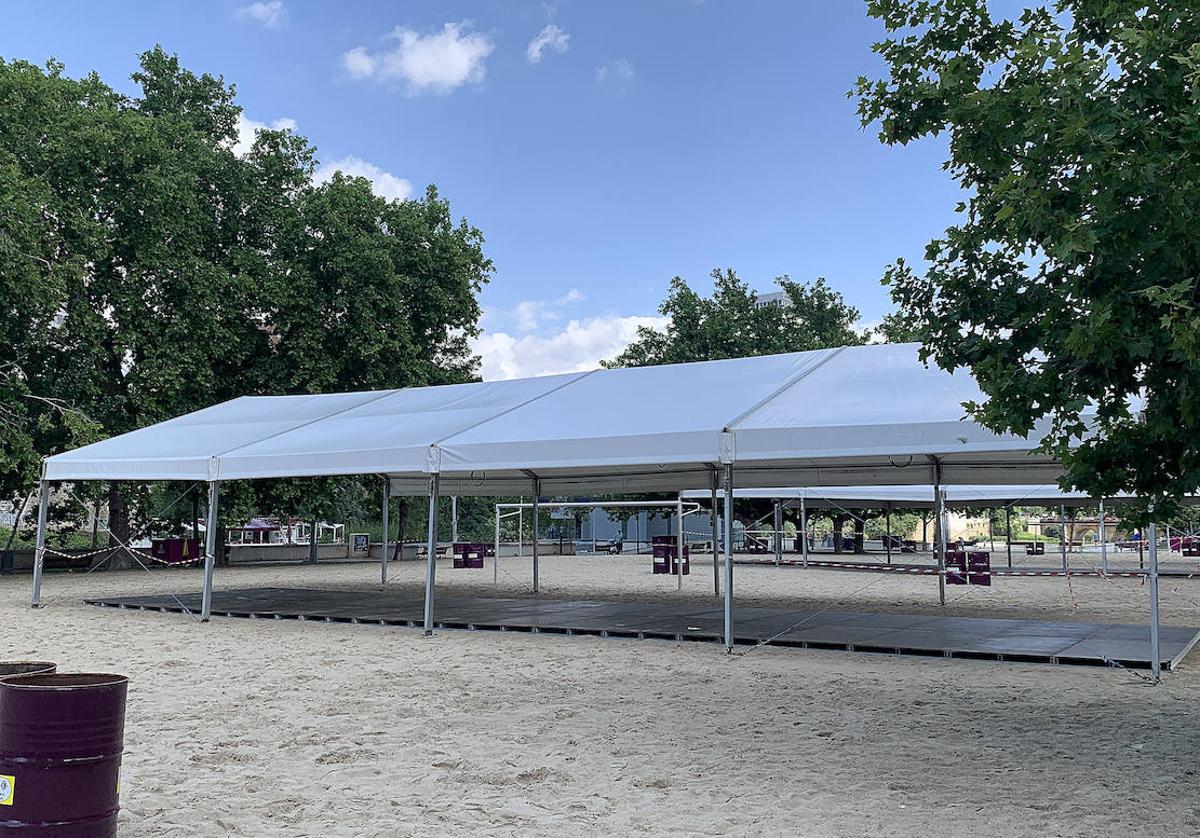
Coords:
pixel 255 728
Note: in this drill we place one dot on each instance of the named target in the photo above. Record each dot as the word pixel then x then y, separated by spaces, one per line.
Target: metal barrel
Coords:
pixel 26 668
pixel 61 738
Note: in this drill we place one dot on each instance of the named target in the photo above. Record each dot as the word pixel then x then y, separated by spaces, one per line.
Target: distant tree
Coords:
pixel 1073 274
pixel 148 270
pixel 731 324
pixel 897 328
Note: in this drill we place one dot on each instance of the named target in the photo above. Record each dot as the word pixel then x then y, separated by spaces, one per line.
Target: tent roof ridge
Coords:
pixel 830 354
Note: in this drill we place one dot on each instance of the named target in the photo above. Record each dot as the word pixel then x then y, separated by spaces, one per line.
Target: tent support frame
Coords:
pixel 39 554
pixel 431 548
pixel 210 548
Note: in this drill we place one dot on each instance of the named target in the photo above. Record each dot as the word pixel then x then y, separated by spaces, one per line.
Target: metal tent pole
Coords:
pixel 728 557
pixel 1155 655
pixel 496 557
pixel 778 534
pixel 454 519
pixel 1008 532
pixel 1062 535
pixel 939 534
pixel 537 490
pixel 39 553
pixel 210 548
pixel 431 547
pixel 887 532
pixel 521 530
pixel 387 503
pixel 1103 540
pixel 804 530
pixel 679 546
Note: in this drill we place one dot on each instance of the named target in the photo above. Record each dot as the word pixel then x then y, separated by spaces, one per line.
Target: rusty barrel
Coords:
pixel 26 668
pixel 61 738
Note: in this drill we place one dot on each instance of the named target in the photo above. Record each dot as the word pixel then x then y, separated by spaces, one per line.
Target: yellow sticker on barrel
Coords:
pixel 8 785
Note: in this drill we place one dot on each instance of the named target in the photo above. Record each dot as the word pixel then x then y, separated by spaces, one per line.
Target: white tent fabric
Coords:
pixel 849 416
pixel 913 497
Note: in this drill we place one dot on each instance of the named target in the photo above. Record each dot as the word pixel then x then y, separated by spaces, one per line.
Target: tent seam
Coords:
pixel 796 379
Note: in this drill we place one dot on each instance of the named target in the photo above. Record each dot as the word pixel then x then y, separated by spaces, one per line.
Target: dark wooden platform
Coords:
pixel 956 637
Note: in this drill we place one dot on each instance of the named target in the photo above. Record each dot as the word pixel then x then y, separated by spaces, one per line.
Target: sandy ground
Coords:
pixel 252 728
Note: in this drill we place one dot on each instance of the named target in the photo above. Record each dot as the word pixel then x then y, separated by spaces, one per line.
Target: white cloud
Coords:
pixel 579 346
pixel 384 184
pixel 248 129
pixel 438 62
pixel 551 38
pixel 619 73
pixel 529 315
pixel 270 14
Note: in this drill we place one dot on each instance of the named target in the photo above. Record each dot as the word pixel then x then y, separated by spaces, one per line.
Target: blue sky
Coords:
pixel 643 139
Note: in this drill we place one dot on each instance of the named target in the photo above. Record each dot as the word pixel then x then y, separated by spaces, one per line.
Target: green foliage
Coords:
pixel 146 270
pixel 1072 275
pixel 729 324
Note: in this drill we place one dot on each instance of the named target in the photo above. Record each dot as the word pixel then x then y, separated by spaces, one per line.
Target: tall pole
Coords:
pixel 496 551
pixel 431 542
pixel 454 518
pixel 521 529
pixel 1008 532
pixel 387 503
pixel 39 553
pixel 1062 534
pixel 716 541
pixel 1155 655
pixel 1103 540
pixel 537 490
pixel 679 546
pixel 729 557
pixel 939 531
pixel 778 522
pixel 210 549
pixel 887 534
pixel 804 530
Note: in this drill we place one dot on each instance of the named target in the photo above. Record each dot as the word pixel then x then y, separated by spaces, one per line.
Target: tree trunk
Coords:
pixel 118 528
pixel 860 535
pixel 16 523
pixel 924 532
pixel 839 522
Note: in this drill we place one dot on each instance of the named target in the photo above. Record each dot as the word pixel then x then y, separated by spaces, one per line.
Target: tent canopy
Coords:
pixel 847 416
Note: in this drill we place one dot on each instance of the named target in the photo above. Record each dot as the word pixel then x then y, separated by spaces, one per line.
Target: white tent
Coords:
pixel 915 497
pixel 847 416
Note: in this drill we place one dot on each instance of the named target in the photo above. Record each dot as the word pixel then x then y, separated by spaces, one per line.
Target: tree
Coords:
pixel 149 270
pixel 731 323
pixel 1073 272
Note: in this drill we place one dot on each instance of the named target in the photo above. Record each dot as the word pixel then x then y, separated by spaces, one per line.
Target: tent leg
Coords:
pixel 778 523
pixel 939 535
pixel 537 489
pixel 1008 533
pixel 680 546
pixel 887 533
pixel 431 548
pixel 496 557
pixel 1062 535
pixel 454 519
pixel 804 531
pixel 729 557
pixel 39 554
pixel 1152 576
pixel 716 541
pixel 1103 540
pixel 210 549
pixel 387 502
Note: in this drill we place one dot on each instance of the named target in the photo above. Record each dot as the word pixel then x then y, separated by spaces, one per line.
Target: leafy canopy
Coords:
pixel 148 270
pixel 731 323
pixel 1072 274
